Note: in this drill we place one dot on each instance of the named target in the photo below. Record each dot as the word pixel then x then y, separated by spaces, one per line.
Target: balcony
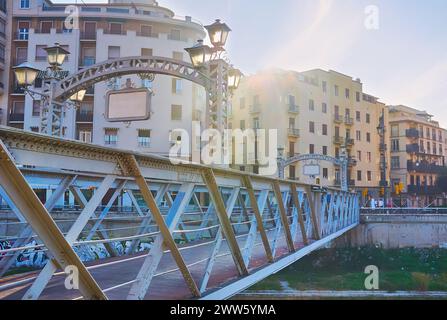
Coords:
pixel 350 142
pixel 424 190
pixel 21 36
pixel 412 133
pixel 83 116
pixel 87 61
pixel 425 167
pixel 294 109
pixel 18 90
pixel 413 148
pixel 147 34
pixel 117 33
pixel 339 140
pixel 16 117
pixel 294 132
pixel 349 121
pixel 88 36
pixel 338 119
pixel 255 109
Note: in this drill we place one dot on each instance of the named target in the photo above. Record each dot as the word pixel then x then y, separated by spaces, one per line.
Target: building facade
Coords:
pixel 5 52
pixel 418 151
pixel 315 112
pixel 121 28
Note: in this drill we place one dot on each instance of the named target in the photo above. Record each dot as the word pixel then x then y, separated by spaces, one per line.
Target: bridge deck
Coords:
pixel 113 272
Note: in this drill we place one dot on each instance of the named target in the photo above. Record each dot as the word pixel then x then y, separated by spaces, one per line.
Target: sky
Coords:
pixel 398 48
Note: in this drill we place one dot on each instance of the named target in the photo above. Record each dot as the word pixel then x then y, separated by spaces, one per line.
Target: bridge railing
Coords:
pixel 403 211
pixel 217 224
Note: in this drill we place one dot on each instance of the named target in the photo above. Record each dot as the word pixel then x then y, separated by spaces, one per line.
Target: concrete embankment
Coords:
pixel 394 231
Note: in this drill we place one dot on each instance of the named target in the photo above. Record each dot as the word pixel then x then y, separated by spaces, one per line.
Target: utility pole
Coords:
pixel 381 130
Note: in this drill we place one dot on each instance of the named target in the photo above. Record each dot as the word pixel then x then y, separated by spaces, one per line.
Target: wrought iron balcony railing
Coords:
pixel 294 132
pixel 412 133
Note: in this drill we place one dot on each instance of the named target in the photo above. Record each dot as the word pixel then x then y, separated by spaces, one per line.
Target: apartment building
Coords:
pixel 120 28
pixel 418 155
pixel 315 112
pixel 5 52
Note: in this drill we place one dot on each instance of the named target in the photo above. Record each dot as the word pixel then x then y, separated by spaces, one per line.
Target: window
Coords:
pixel 36 108
pixel 111 136
pixel 325 173
pixel 177 86
pixel 242 103
pixel 18 107
pixel 115 28
pixel 311 127
pixel 311 149
pixel 242 124
pixel 359 175
pixel 85 136
pixel 311 105
pixel 369 174
pixel 324 86
pixel 146 31
pixel 291 101
pixel 41 54
pixel 395 145
pixel 147 52
pixel 144 138
pixel 324 108
pixel 395 163
pixel 395 131
pixel 359 155
pixel 324 129
pixel 176 112
pixel 21 55
pixel 24 4
pixel 45 26
pixel 336 90
pixel 357 96
pixel 358 116
pixel 368 137
pixel 88 56
pixel 325 150
pixel 292 172
pixel 358 135
pixel 292 123
pixel 369 156
pixel 23 27
pixel 337 152
pixel 114 52
pixel 175 35
pixel 347 93
pixel 89 30
pixel 256 100
pixel 256 123
pixel 368 118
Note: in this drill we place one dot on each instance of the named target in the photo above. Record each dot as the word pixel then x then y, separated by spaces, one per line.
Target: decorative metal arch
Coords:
pixel 343 162
pixel 126 66
pixel 305 157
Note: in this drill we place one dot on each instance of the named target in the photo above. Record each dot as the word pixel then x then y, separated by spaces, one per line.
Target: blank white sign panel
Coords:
pixel 128 105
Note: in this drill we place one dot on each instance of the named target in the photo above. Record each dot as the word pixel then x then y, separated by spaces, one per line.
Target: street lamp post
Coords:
pixel 223 77
pixel 51 114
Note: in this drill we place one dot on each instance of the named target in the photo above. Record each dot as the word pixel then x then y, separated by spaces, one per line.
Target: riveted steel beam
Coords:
pixel 23 196
pixel 283 216
pixel 227 229
pixel 130 166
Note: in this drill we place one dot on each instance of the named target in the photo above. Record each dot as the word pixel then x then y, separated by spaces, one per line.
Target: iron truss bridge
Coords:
pixel 191 232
